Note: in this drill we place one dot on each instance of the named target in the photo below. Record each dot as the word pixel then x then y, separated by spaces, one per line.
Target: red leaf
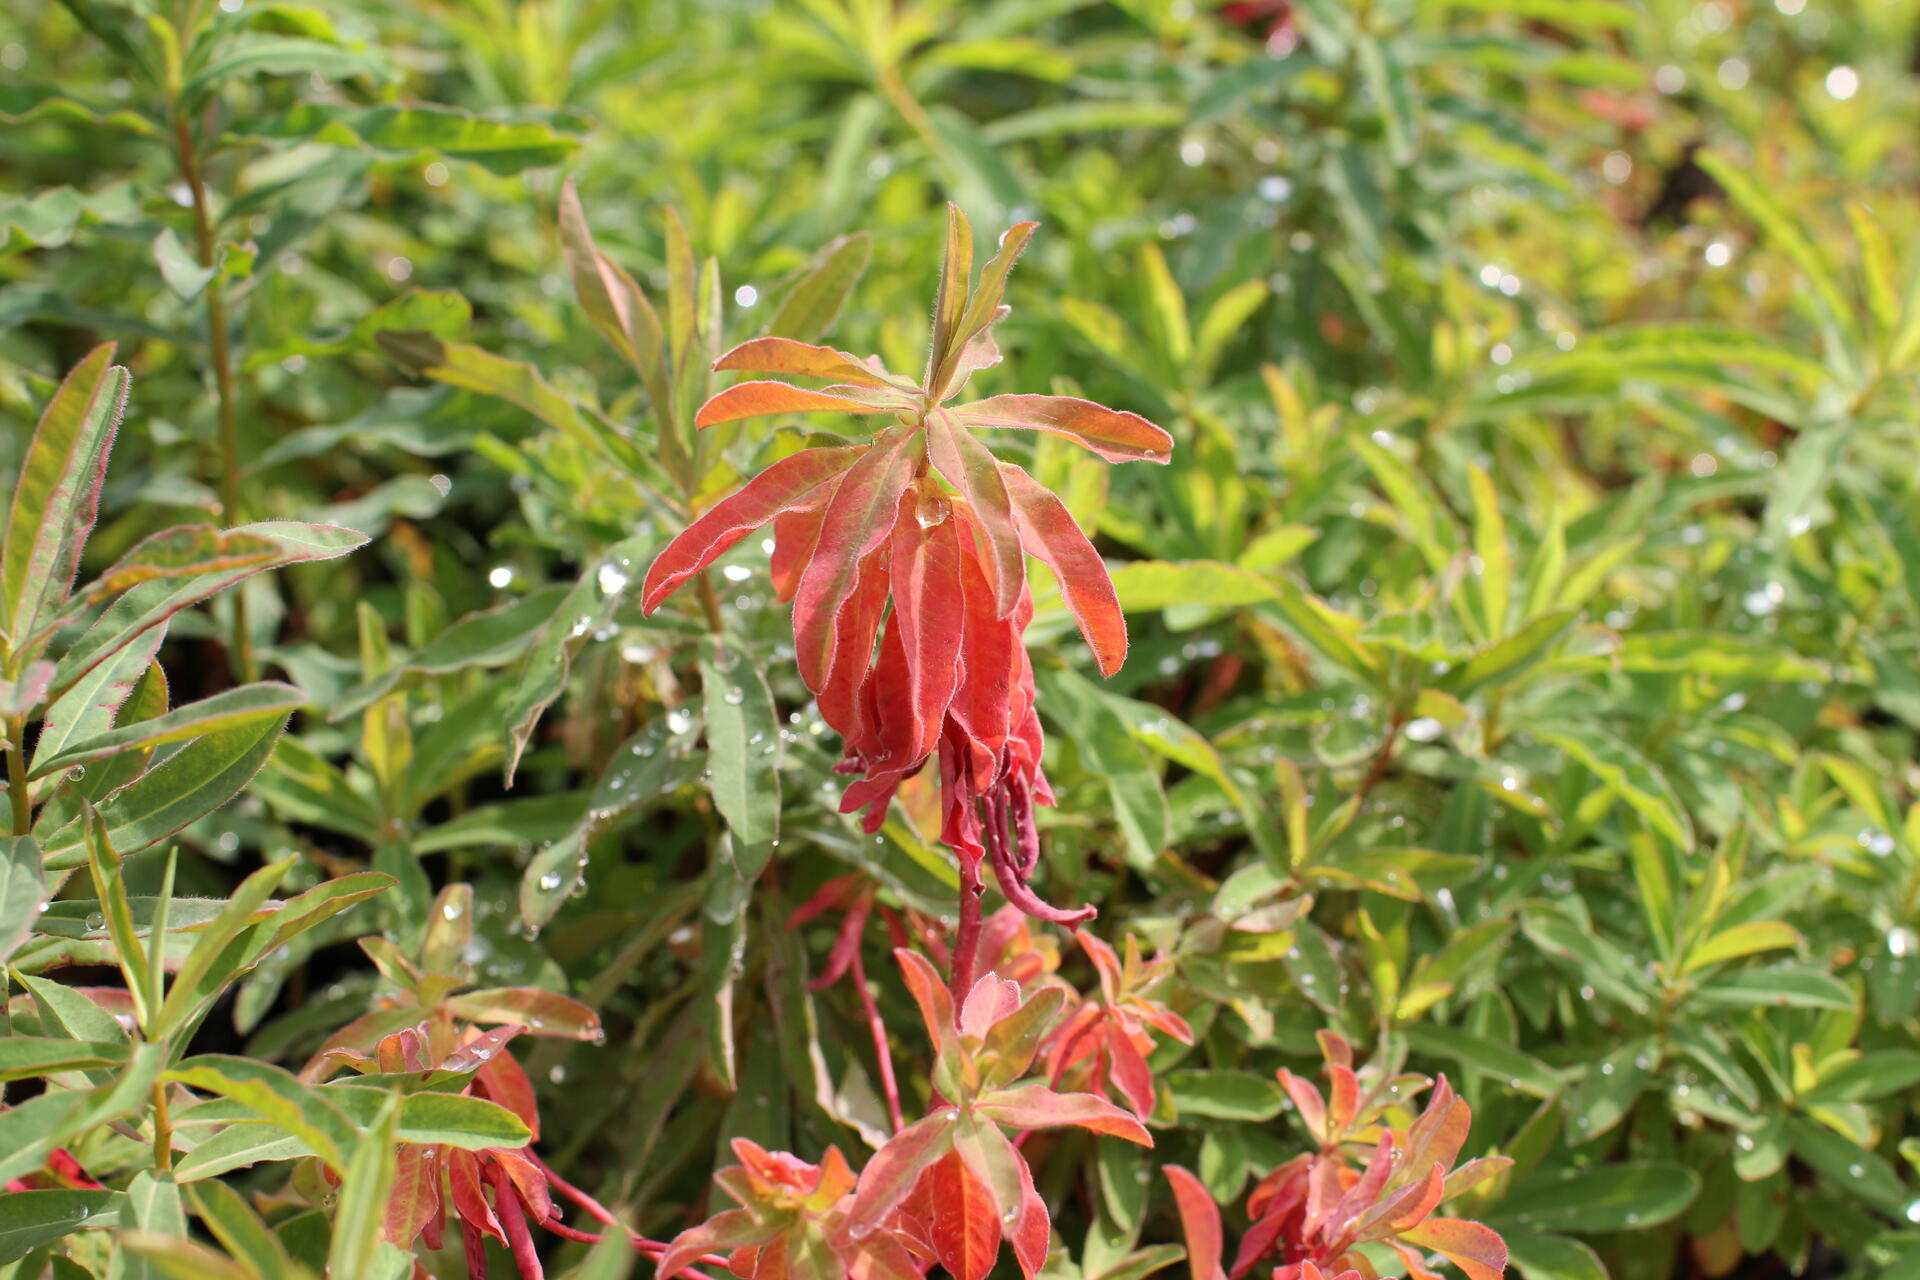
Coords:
pixel 930 614
pixel 758 399
pixel 966 1222
pixel 1479 1251
pixel 893 1170
pixel 1035 1106
pixel 857 521
pixel 783 486
pixel 1131 1075
pixel 1312 1108
pixel 971 468
pixel 1199 1222
pixel 850 668
pixel 795 534
pixel 503 1081
pixel 1049 531
pixel 463 1177
pixel 931 994
pixel 415 1198
pixel 734 1229
pixel 804 359
pixel 1114 434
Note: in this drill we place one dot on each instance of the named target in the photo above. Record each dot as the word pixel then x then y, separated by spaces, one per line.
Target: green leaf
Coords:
pixel 1222 1094
pixel 151 603
pixel 22 887
pixel 25 1057
pixel 1783 986
pixel 1145 585
pixel 209 966
pixel 26 103
pixel 1101 732
pixel 359 1221
pixel 277 1098
pixel 29 1219
pixel 501 145
pixel 448 1119
pixel 247 706
pixel 186 786
pixel 48 219
pixel 1603 1099
pixel 274 55
pixel 1500 1062
pixel 1631 777
pixel 57 496
pixel 1747 939
pixel 743 753
pixel 1540 1257
pixel 814 303
pixel 1852 1169
pixel 153 1208
pixel 1612 1197
pixel 493 638
pixel 240 1231
pixel 1874 1074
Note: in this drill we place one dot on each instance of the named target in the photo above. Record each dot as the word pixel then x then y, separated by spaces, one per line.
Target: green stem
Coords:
pixel 162 1129
pixel 17 774
pixel 225 399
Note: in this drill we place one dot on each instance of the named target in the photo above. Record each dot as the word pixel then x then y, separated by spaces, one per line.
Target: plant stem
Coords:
pixel 710 605
pixel 888 1084
pixel 966 943
pixel 225 401
pixel 162 1129
pixel 17 774
pixel 1383 759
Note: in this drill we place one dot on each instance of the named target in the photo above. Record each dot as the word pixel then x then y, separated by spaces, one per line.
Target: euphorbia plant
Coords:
pixel 924 517
pixel 1311 1214
pixel 949 1186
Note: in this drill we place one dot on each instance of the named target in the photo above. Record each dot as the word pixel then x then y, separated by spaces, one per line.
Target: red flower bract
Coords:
pixel 918 540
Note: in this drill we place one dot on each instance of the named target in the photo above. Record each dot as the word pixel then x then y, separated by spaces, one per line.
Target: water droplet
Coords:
pixel 500 576
pixel 951 1116
pixel 442 485
pixel 679 720
pixel 1856 1171
pixel 1424 729
pixel 734 696
pixel 550 881
pixel 612 579
pixel 76 773
pixel 450 909
pixel 96 921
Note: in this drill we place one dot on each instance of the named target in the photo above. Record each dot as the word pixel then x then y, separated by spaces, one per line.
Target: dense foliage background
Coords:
pixel 1523 676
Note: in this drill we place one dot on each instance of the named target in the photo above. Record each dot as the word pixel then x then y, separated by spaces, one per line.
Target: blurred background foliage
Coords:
pixel 1524 669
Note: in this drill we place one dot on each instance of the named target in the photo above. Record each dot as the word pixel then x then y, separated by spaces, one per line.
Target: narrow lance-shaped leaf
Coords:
pixel 786 484
pixel 57 497
pixel 815 302
pixel 1113 434
pixel 187 785
pixel 1050 533
pixel 231 709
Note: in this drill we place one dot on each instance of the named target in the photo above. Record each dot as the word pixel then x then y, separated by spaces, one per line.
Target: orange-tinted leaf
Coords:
pixel 930 992
pixel 786 484
pixel 463 1177
pixel 804 359
pixel 505 1082
pixel 1199 1223
pixel 1049 531
pixel 966 1222
pixel 415 1198
pixel 758 399
pixel 971 468
pixel 1313 1110
pixel 930 614
pixel 543 1013
pixel 857 521
pixel 893 1170
pixel 950 302
pixel 1114 434
pixel 734 1229
pixel 1035 1106
pixel 1477 1250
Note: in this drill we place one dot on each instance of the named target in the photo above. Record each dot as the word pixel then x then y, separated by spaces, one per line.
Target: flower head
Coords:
pixel 905 559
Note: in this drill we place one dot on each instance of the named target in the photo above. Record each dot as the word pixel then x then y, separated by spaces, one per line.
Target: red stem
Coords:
pixel 506 1207
pixel 888 1085
pixel 966 943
